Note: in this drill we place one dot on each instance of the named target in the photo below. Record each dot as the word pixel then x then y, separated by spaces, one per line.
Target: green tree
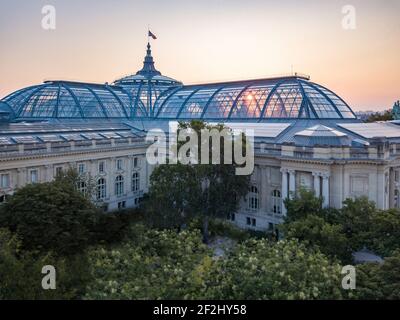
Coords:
pixel 379 281
pixel 51 216
pixel 384 233
pixel 378 116
pixel 151 264
pixel 21 273
pixel 324 228
pixel 174 196
pixel 315 231
pixel 163 264
pixel 206 190
pixel 302 204
pixel 356 218
pixel 258 269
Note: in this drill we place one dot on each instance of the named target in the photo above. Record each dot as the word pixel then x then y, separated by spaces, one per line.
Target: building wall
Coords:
pixel 335 181
pixel 376 181
pixel 19 171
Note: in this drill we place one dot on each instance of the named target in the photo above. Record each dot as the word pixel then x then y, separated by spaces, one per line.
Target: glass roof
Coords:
pixel 283 98
pixel 149 94
pixel 280 98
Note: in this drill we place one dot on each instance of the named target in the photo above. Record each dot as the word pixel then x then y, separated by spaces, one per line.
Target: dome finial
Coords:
pixel 148 49
pixel 148 69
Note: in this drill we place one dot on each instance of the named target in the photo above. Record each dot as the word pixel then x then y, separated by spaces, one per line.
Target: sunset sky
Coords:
pixel 207 40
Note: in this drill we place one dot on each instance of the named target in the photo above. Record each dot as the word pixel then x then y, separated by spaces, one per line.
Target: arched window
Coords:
pixel 253 199
pixel 276 201
pixel 82 187
pixel 119 186
pixel 101 189
pixel 135 181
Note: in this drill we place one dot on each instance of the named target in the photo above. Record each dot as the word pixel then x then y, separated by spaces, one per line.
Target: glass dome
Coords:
pixel 149 94
pixel 279 98
pixel 60 99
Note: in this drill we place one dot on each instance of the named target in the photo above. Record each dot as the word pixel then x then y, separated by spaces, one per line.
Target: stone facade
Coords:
pixel 126 160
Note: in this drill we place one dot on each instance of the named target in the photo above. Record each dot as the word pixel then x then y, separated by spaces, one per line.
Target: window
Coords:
pixel 251 222
pixel 231 216
pixel 101 189
pixel 33 176
pixel 5 180
pixel 59 171
pixel 270 226
pixel 253 200
pixel 82 187
pixel 101 167
pixel 120 164
pixel 276 201
pixel 81 168
pixel 135 162
pixel 3 198
pixel 135 182
pixel 119 186
pixel 121 205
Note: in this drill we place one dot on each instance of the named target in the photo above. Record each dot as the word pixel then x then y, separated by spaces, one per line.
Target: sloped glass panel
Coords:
pixel 222 103
pixel 112 106
pixel 42 104
pixel 16 100
pixel 171 107
pixel 194 107
pixel 251 102
pixel 91 108
pixel 67 107
pixel 339 103
pixel 321 105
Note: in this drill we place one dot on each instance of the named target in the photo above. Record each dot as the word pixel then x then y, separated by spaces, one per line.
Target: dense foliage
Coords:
pixel 259 269
pixel 379 116
pixel 21 272
pixel 52 224
pixel 178 192
pixel 338 233
pixel 51 216
pixel 359 224
pixel 152 265
pixel 379 281
pixel 179 266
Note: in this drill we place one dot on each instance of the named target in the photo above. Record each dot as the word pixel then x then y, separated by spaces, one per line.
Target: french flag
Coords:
pixel 151 34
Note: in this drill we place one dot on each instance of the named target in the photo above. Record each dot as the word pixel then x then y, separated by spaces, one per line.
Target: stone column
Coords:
pixel 284 189
pixel 130 170
pixel 325 189
pixel 292 183
pixel 264 190
pixel 21 177
pixel 317 184
pixel 111 178
pixel 48 173
pixel 392 189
